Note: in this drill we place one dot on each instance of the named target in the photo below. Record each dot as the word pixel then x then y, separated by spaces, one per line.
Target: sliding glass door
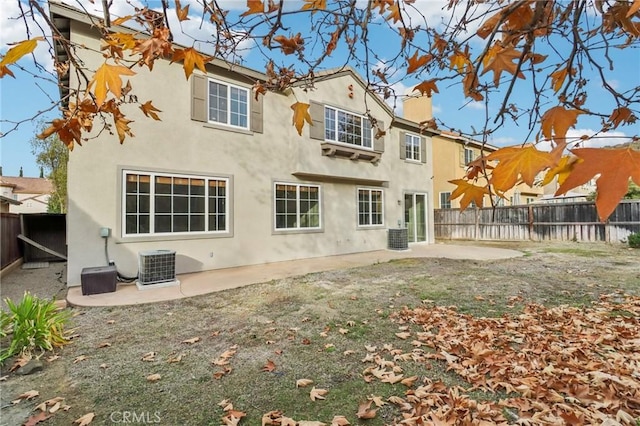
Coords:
pixel 415 216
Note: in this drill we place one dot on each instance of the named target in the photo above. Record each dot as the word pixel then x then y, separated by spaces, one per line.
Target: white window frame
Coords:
pixel 413 141
pixel 298 213
pixel 469 155
pixel 446 203
pixel 229 86
pixel 335 131
pixel 370 204
pixel 152 198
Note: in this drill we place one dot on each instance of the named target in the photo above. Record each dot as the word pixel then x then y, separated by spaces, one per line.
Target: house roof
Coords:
pixel 27 185
pixel 8 200
pixel 457 137
pixel 61 12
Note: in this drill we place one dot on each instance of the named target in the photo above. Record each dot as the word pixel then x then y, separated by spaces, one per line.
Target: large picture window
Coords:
pixel 228 104
pixel 157 203
pixel 344 127
pixel 370 207
pixel 297 206
pixel 412 147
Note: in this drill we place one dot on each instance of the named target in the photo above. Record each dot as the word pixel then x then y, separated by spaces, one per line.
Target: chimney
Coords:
pixel 417 108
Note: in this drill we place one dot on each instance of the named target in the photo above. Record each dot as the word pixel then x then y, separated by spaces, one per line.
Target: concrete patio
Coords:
pixel 198 283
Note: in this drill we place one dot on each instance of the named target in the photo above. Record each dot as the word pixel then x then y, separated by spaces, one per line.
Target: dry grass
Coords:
pixel 286 321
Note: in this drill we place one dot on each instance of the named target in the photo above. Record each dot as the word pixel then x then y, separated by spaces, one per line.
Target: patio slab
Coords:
pixel 206 282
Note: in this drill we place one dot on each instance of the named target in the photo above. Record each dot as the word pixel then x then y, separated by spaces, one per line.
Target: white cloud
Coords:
pixel 599 140
pixel 480 106
pixel 503 141
pixel 12 30
pixel 436 109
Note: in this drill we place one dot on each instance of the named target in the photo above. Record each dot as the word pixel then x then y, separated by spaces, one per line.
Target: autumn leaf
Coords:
pixel 121 20
pixel 427 87
pixel 503 61
pixel 122 126
pixel 409 381
pixel 104 345
pixel 459 60
pixel 300 115
pixel 301 383
pixel 365 411
pixel 558 77
pixel 255 6
pixel 80 358
pixel 84 420
pixel 192 58
pixel 37 418
pixel 182 12
pixel 291 44
pixel 154 377
pixel 615 167
pixel 415 63
pixel 561 170
pixel 269 366
pixel 314 5
pixel 633 9
pixel 18 51
pixel 525 161
pixel 107 79
pixel 622 115
pixel 404 335
pixel 469 193
pixel 26 396
pixel 191 341
pixel 394 12
pixel 556 122
pixel 150 111
pixel 340 421
pixel 156 46
pixel 317 393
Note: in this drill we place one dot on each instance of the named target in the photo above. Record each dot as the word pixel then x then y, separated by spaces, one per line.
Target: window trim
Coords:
pixel 415 139
pixel 335 129
pixel 170 235
pixel 297 229
pixel 228 122
pixel 448 202
pixel 370 224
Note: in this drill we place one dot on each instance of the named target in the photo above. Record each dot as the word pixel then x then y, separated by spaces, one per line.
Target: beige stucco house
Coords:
pixel 452 152
pixel 225 180
pixel 32 194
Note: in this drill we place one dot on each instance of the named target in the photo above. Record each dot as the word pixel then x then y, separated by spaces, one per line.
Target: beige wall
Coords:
pixel 252 161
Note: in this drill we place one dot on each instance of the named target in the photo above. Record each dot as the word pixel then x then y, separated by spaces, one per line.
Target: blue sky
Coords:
pixel 32 91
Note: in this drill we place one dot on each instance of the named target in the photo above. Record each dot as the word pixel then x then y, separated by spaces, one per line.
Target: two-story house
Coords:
pixel 225 180
pixel 32 194
pixel 452 153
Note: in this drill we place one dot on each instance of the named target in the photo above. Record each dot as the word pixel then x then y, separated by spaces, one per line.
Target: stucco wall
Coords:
pixel 252 161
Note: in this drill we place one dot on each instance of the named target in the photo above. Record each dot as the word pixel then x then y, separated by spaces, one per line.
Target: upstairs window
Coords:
pixel 228 104
pixel 445 200
pixel 344 127
pixel 412 147
pixel 469 155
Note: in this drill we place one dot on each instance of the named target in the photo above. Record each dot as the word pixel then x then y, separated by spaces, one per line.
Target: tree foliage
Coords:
pixel 488 51
pixel 53 156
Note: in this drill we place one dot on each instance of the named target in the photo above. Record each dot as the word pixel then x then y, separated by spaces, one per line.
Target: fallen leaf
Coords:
pixel 301 383
pixel 269 366
pixel 191 341
pixel 27 395
pixel 103 366
pixel 37 418
pixel 377 400
pixel 154 377
pixel 404 335
pixel 85 420
pixel 174 359
pixel 340 421
pixel 104 345
pixel 365 411
pixel 149 356
pixel 343 331
pixel 409 381
pixel 317 393
pixel 54 408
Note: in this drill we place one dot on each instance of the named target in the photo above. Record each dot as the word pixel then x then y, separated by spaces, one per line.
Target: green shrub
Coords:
pixel 634 240
pixel 32 324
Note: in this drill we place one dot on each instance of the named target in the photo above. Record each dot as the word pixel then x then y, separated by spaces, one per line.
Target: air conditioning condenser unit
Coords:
pixel 156 268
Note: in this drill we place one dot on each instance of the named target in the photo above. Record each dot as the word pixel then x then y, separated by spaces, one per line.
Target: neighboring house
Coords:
pixel 6 203
pixel 225 180
pixel 33 193
pixel 452 152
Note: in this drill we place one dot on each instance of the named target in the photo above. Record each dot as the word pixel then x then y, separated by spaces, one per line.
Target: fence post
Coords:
pixel 530 212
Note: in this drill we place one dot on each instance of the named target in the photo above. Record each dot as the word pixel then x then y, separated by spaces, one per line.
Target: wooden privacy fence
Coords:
pixel 10 227
pixel 538 222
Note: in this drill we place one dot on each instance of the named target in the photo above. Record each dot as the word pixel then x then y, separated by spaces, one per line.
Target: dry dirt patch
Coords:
pixel 297 323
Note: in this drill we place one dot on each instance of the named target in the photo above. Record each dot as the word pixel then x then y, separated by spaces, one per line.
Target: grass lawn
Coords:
pixel 529 339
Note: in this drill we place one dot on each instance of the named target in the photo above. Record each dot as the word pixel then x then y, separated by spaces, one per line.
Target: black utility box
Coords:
pixel 101 279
